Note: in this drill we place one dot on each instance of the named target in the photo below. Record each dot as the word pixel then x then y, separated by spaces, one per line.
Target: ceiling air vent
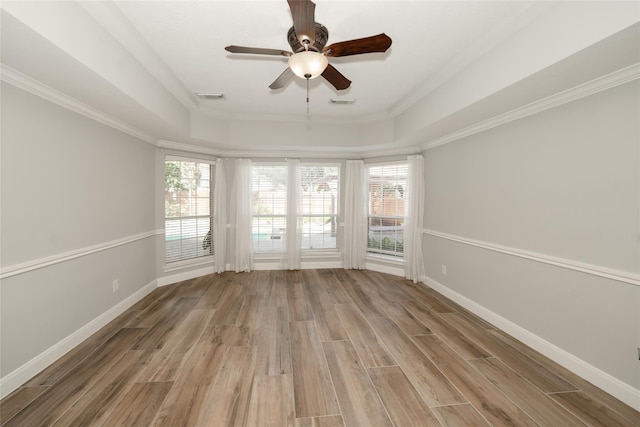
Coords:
pixel 210 95
pixel 342 101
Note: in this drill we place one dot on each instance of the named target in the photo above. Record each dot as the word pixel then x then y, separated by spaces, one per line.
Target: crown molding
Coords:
pixel 28 84
pixel 293 152
pixel 190 148
pixel 592 87
pixel 277 152
pixel 297 118
pixel 474 51
pixel 608 81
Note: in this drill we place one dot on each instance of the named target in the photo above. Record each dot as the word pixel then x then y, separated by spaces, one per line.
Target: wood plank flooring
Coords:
pixel 311 348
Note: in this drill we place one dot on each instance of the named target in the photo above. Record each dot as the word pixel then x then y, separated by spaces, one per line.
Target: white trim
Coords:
pixel 14 270
pixel 338 153
pixel 18 377
pixel 608 81
pixel 599 84
pixel 619 276
pixel 186 275
pixel 311 265
pixel 189 263
pixel 190 148
pixel 168 157
pixel 387 259
pixel 304 265
pixel 384 268
pixel 291 118
pixel 594 375
pixel 30 85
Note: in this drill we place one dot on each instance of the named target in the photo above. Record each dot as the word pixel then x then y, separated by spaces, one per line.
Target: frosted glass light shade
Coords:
pixel 308 65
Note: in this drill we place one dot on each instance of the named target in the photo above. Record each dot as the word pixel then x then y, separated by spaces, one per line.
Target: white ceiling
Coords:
pixel 140 63
pixel 427 37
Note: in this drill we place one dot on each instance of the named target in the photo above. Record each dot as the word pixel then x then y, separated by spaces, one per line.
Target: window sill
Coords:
pixel 386 259
pixel 196 262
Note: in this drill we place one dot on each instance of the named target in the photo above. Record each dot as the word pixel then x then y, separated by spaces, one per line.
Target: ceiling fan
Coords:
pixel 308 58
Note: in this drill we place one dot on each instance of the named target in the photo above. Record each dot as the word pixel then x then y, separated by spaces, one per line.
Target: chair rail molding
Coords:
pixel 25 267
pixel 620 276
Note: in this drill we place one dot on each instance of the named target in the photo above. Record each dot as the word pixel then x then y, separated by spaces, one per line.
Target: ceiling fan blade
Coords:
pixel 283 79
pixel 379 43
pixel 257 50
pixel 304 24
pixel 336 78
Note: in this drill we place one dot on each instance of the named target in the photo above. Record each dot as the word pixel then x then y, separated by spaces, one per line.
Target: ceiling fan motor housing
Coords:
pixel 322 35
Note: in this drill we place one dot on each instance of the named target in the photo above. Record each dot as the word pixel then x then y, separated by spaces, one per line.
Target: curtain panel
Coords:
pixel 291 252
pixel 355 216
pixel 413 259
pixel 243 252
pixel 220 218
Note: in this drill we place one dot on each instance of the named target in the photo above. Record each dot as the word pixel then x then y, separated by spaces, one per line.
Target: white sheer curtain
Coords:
pixel 413 259
pixel 220 218
pixel 355 216
pixel 291 257
pixel 243 253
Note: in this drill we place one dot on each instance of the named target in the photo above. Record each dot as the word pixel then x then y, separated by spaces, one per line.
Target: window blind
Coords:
pixel 387 185
pixel 189 187
pixel 319 207
pixel 269 188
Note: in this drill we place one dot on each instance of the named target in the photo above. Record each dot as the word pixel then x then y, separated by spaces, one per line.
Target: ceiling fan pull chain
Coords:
pixel 307 97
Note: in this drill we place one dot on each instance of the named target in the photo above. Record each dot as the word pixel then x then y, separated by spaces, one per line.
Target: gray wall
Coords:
pixel 68 183
pixel 562 183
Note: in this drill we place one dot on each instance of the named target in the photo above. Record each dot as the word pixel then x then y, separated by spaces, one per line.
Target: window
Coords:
pixel 387 208
pixel 188 198
pixel 269 187
pixel 319 207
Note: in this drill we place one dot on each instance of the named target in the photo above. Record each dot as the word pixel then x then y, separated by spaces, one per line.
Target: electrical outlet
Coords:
pixel 444 269
pixel 116 285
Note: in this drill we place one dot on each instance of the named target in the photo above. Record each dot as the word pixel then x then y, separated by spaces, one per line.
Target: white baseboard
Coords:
pixel 384 268
pixel 596 376
pixel 310 265
pixel 15 379
pixel 185 275
pixel 304 265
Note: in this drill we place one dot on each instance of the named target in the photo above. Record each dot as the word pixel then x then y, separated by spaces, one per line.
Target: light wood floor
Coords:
pixel 312 348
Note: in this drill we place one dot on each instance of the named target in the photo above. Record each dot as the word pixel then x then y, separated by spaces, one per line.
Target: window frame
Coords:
pixel 337 249
pixel 197 259
pixel 382 253
pixel 273 236
pixel 307 252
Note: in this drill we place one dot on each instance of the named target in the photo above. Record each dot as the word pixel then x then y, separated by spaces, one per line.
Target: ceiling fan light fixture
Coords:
pixel 308 64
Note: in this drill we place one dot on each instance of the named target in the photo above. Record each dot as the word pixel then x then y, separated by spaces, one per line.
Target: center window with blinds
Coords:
pixel 387 208
pixel 317 208
pixel 188 206
pixel 269 188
